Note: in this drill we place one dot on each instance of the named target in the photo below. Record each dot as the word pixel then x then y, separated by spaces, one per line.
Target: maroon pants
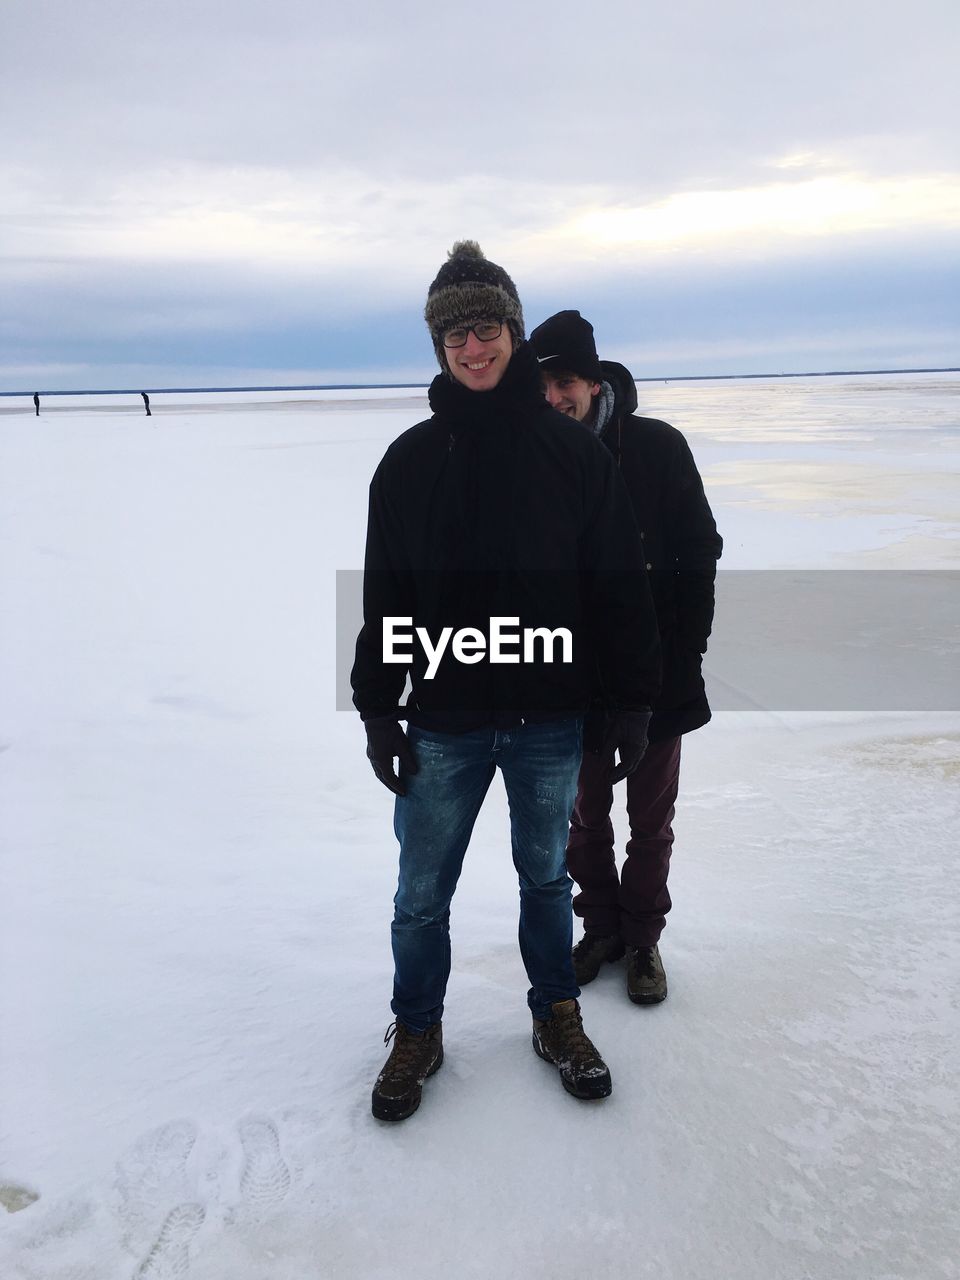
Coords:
pixel 635 903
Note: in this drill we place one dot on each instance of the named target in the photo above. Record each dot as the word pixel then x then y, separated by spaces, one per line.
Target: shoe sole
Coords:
pixel 602 1087
pixel 647 999
pixel 387 1109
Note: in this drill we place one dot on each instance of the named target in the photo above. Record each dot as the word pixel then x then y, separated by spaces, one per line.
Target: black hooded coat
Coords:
pixel 681 548
pixel 499 506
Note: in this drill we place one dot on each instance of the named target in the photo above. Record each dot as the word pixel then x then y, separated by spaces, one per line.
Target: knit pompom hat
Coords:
pixel 469 287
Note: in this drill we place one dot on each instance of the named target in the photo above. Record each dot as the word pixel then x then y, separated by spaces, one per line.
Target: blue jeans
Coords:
pixel 433 822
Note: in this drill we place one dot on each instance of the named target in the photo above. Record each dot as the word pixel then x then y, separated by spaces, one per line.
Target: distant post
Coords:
pixel 36 404
pixel 146 403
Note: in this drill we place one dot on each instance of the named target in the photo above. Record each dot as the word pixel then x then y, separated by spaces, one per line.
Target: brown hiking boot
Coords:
pixel 646 980
pixel 593 950
pixel 414 1056
pixel 563 1041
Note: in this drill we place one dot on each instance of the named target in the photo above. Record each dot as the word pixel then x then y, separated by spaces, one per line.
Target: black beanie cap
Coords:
pixel 565 343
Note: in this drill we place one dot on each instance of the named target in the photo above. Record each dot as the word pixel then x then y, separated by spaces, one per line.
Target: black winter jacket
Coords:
pixel 681 549
pixel 498 505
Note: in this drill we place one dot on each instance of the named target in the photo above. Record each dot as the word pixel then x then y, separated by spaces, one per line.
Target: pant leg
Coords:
pixel 590 857
pixel 433 823
pixel 540 763
pixel 651 799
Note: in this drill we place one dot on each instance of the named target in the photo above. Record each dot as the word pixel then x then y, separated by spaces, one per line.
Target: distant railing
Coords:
pixel 193 391
pixel 37 396
pixel 407 386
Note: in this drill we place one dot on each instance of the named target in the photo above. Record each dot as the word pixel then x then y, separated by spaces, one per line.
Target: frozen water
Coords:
pixel 198 868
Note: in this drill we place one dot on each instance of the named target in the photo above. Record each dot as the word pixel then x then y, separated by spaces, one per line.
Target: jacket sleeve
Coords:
pixel 618 598
pixel 698 547
pixel 387 591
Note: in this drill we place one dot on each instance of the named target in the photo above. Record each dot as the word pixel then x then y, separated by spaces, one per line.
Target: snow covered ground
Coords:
pixel 198 866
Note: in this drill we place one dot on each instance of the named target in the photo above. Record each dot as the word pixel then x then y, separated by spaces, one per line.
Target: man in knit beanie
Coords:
pixel 627 912
pixel 470 287
pixel 503 577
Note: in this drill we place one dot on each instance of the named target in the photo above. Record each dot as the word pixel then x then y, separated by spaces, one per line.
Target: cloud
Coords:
pixel 864 304
pixel 653 96
pixel 248 179
pixel 760 217
pixel 349 225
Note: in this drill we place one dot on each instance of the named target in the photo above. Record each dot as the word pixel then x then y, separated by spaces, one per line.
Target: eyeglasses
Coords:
pixel 485 330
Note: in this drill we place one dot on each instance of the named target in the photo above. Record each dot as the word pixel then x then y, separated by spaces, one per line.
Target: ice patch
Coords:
pixel 13 1198
pixel 936 754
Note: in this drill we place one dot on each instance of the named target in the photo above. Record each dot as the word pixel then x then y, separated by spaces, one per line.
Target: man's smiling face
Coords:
pixel 481 365
pixel 569 393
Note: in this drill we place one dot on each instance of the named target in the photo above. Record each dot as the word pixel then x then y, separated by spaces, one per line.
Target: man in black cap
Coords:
pixel 627 912
pixel 503 575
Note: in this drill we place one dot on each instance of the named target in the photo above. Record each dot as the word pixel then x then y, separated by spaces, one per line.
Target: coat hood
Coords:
pixel 624 387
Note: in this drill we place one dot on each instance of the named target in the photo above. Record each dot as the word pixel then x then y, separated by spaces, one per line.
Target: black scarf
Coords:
pixel 486 441
pixel 512 400
pixel 483 484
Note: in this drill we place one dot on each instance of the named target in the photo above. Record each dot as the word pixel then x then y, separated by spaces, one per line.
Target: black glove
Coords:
pixel 385 739
pixel 626 733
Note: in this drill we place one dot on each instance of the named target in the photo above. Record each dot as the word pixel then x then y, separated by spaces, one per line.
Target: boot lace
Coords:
pixel 643 962
pixel 408 1047
pixel 569 1025
pixel 584 947
pixel 591 942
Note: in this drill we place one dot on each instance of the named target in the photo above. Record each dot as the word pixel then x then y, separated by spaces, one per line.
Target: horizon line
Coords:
pixel 404 386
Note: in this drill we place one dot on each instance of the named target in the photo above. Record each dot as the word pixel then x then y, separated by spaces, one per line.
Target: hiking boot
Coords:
pixel 646 980
pixel 414 1056
pixel 593 950
pixel 562 1040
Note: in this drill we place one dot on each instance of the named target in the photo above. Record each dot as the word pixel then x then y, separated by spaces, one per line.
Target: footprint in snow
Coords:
pixel 172 1191
pixel 265 1176
pixel 151 1177
pixel 169 1258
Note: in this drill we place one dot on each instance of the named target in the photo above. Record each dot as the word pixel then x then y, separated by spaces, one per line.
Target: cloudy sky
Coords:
pixel 197 192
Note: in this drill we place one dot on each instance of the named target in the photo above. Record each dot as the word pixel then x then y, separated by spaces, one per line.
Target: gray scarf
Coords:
pixel 604 408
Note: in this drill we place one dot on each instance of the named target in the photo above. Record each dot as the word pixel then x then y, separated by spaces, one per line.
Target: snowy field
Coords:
pixel 198 867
